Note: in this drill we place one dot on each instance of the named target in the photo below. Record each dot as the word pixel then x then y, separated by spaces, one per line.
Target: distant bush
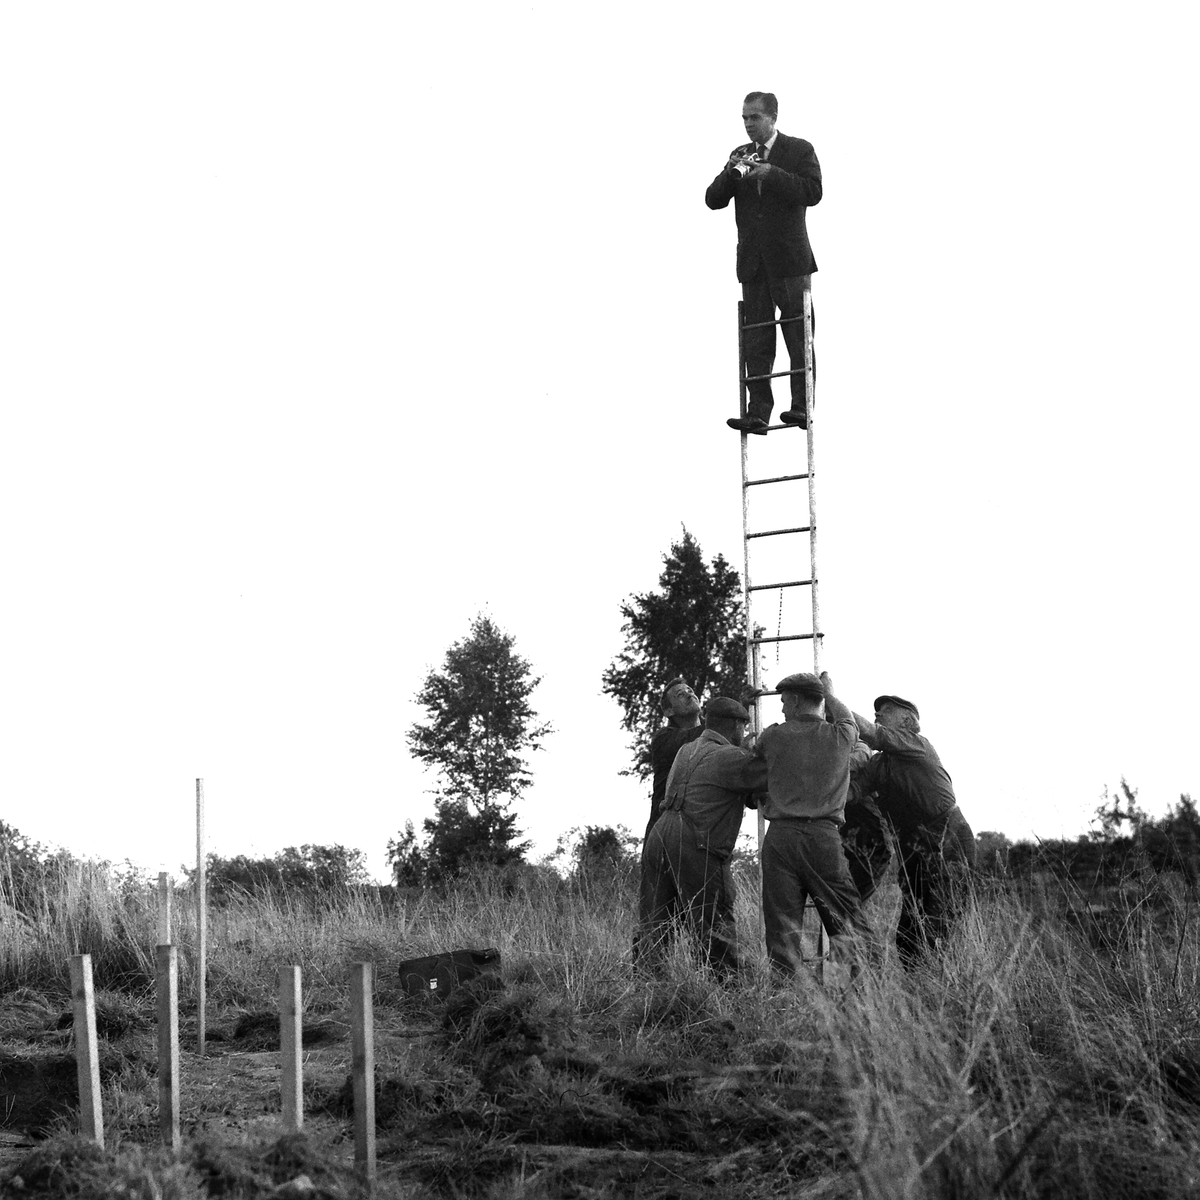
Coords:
pixel 1126 844
pixel 305 870
pixel 598 854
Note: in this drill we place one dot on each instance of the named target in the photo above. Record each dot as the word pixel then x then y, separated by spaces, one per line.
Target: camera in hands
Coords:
pixel 743 164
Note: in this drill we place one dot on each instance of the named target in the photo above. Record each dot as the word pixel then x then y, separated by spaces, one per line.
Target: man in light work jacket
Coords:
pixel 772 181
pixel 915 794
pixel 685 864
pixel 808 777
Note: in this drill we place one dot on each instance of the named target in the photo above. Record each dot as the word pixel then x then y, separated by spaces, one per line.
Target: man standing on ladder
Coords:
pixel 772 182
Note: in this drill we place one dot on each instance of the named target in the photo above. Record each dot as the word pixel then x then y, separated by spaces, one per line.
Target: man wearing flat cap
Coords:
pixel 914 792
pixel 685 863
pixel 807 758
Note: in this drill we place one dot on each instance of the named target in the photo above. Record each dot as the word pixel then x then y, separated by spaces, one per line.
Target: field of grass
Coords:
pixel 1047 1053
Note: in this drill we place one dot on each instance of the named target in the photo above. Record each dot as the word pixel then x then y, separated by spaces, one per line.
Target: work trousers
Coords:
pixel 684 883
pixel 761 296
pixel 935 867
pixel 867 845
pixel 802 859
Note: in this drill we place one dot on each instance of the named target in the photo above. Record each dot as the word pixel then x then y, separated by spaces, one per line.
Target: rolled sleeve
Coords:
pixel 902 743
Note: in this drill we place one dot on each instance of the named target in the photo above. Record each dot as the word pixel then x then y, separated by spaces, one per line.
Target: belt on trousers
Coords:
pixel 807 821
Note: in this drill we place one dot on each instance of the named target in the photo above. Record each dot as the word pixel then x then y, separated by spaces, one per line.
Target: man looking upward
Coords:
pixel 681 707
pixel 771 194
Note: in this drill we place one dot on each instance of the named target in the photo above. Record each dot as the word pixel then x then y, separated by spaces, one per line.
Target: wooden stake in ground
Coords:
pixel 362 1045
pixel 87 1058
pixel 201 920
pixel 166 971
pixel 164 910
pixel 290 1036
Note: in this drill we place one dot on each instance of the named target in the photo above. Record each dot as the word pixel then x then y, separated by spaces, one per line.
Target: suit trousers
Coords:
pixel 801 859
pixel 685 883
pixel 761 296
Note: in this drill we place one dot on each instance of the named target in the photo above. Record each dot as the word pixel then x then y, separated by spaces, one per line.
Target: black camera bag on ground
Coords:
pixel 438 974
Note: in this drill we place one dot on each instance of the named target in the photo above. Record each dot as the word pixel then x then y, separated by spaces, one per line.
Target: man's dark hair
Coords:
pixel 769 103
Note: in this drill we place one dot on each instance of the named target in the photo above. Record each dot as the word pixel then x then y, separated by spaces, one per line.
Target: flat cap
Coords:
pixel 899 701
pixel 723 706
pixel 803 682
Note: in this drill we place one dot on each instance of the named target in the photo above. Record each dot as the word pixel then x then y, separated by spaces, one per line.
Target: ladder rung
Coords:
pixel 777 321
pixel 766 587
pixel 773 375
pixel 787 637
pixel 775 532
pixel 777 479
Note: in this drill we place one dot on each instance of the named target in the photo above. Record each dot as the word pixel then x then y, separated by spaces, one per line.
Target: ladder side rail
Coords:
pixel 810 393
pixel 752 652
pixel 810 397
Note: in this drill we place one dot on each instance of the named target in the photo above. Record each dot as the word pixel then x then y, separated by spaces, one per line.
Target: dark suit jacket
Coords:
pixel 771 227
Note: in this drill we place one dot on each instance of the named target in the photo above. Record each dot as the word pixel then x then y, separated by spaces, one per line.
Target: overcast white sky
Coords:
pixel 326 327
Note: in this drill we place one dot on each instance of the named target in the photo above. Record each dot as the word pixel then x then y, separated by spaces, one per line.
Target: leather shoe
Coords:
pixel 795 416
pixel 748 424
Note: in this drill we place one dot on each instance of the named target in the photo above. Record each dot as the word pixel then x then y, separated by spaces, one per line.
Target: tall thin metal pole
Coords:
pixel 201 921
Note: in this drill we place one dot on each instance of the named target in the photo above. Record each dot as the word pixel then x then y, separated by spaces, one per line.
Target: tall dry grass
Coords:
pixel 1042 1054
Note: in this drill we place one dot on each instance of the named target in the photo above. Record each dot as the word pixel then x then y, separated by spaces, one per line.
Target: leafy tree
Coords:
pixel 459 839
pixel 479 727
pixel 1111 817
pixel 23 864
pixel 598 850
pixel 694 625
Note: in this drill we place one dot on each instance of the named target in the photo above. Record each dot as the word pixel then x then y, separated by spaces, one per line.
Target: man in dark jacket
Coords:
pixel 772 181
pixel 914 792
pixel 681 707
pixel 685 864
